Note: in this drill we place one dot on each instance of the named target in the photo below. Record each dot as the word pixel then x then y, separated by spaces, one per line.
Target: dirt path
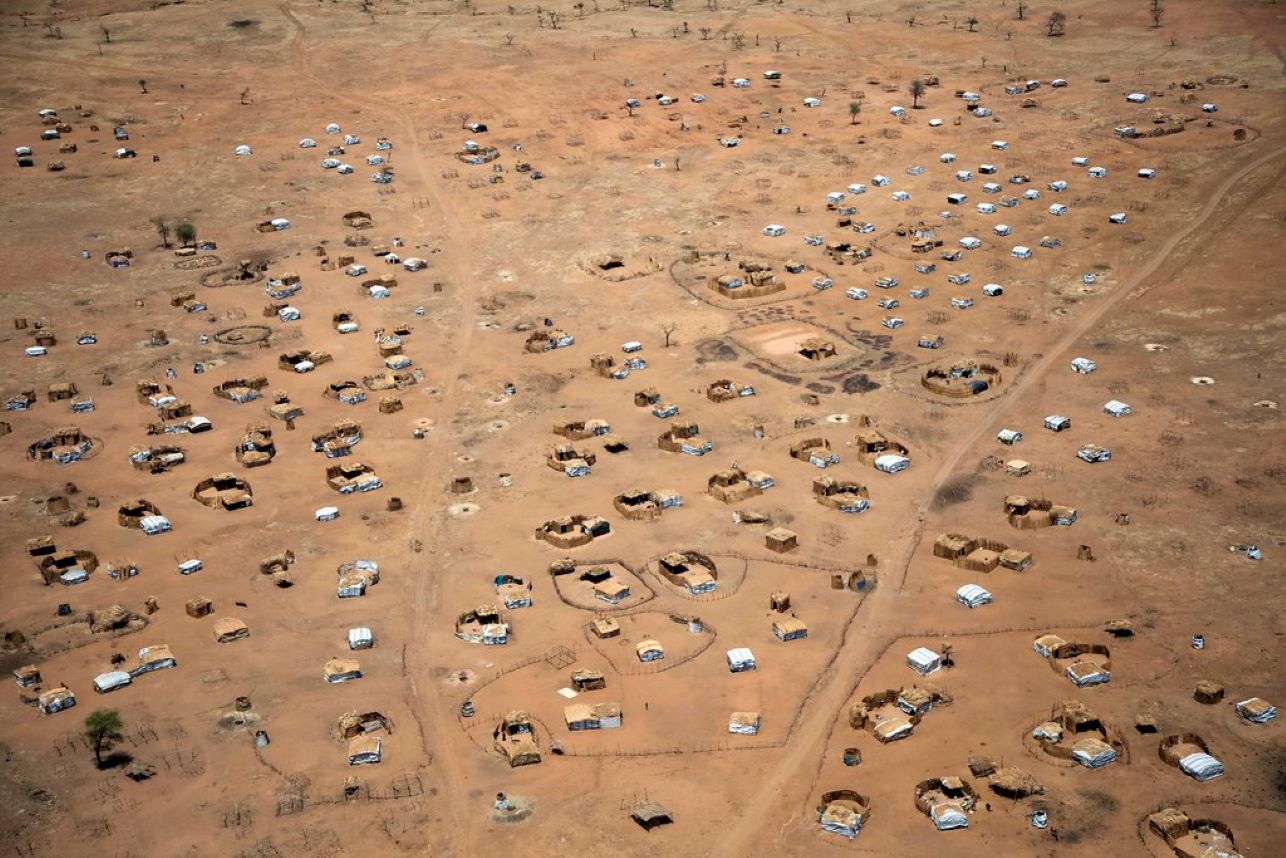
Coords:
pixel 427 520
pixel 864 649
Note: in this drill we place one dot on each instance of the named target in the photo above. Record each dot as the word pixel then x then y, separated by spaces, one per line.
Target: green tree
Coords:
pixel 185 232
pixel 1056 25
pixel 917 92
pixel 103 729
pixel 972 22
pixel 854 110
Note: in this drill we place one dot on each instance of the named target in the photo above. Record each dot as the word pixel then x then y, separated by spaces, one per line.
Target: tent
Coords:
pixel 150 658
pixel 923 661
pixel 1256 710
pixel 972 596
pixel 364 750
pixel 111 680
pixel 1201 767
pixel 56 700
pixel 342 670
pixel 1085 673
pixel 744 723
pixel 741 659
pixel 789 629
pixel 842 820
pixel 947 816
pixel 360 638
pixel 1093 753
pixel 228 629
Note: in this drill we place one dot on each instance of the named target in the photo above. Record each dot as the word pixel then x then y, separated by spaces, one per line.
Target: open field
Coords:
pixel 566 361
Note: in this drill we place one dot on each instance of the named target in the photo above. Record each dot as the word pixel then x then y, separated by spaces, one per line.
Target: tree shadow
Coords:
pixel 115 760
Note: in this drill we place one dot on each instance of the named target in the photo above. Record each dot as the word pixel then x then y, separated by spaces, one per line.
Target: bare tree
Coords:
pixel 1022 10
pixel 245 95
pixel 580 9
pixel 162 229
pixel 972 22
pixel 142 85
pixel 668 329
pixel 509 38
pixel 776 45
pixel 738 41
pixel 705 33
pixel 910 22
pixel 916 89
pixel 107 34
pixel 1056 25
pixel 1157 11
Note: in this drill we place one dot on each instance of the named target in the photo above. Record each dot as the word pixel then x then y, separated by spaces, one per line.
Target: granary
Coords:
pixel 341 670
pixel 55 700
pixel 515 737
pixel 789 629
pixel 972 596
pixel 649 650
pixel 597 716
pixel 923 661
pixel 684 436
pixel 484 625
pixel 365 750
pixel 1256 710
pixel 740 660
pixel 110 681
pixel 744 723
pixel 1017 468
pixel 229 629
pixel 155 657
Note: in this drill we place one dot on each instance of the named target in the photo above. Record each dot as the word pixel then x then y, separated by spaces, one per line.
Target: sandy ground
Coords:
pixel 1185 291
